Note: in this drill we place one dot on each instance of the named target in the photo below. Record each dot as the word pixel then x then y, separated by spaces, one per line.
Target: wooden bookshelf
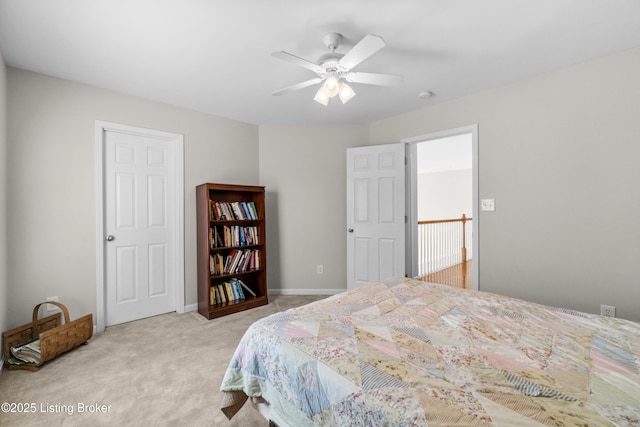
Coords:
pixel 230 221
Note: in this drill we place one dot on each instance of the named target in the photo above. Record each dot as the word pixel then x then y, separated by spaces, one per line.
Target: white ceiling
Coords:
pixel 214 56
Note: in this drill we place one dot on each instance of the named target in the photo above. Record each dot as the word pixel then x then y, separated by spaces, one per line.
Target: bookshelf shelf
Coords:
pixel 231 243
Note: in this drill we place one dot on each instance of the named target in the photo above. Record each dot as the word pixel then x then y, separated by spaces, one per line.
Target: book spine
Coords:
pixel 246 288
pixel 227 287
pixel 234 288
pixel 237 288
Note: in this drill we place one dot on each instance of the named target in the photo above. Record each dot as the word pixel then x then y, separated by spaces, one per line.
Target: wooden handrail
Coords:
pixel 438 221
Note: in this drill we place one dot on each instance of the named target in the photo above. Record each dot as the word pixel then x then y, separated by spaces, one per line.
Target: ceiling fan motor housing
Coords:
pixel 330 61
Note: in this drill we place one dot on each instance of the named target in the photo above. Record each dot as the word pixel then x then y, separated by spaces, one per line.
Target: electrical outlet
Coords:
pixel 608 310
pixel 320 269
pixel 51 307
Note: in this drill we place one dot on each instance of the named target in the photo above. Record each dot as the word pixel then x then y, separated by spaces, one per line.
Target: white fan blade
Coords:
pixel 374 79
pixel 297 86
pixel 297 60
pixel 366 47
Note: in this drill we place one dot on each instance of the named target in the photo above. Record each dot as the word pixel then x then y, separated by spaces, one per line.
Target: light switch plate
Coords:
pixel 488 205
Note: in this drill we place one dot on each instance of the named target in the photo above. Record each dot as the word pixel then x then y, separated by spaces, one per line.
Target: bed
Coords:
pixel 403 352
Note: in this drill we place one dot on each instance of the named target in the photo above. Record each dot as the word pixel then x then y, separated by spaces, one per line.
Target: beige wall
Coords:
pixel 304 171
pixel 4 287
pixel 51 197
pixel 560 154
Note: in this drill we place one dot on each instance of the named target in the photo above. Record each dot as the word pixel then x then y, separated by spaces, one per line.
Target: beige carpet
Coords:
pixel 161 371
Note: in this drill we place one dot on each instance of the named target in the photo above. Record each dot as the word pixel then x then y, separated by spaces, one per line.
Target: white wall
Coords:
pixel 445 195
pixel 4 287
pixel 559 153
pixel 304 171
pixel 51 194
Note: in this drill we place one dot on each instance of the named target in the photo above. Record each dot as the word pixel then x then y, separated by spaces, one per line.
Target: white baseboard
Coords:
pixel 191 307
pixel 194 307
pixel 304 291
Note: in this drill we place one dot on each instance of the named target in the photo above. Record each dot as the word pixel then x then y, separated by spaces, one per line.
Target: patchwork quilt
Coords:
pixel 408 353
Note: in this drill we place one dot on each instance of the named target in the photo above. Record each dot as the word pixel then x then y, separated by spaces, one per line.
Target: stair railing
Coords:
pixel 443 244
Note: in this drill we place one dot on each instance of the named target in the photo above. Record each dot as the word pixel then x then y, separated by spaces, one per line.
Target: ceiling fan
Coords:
pixel 334 69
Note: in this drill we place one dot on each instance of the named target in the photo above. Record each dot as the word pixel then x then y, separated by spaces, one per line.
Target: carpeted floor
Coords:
pixel 161 371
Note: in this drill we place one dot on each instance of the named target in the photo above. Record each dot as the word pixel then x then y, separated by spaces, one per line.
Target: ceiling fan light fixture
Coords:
pixel 345 92
pixel 321 96
pixel 334 86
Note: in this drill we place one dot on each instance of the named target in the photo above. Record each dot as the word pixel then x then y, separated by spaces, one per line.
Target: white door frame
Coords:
pixel 411 197
pixel 178 139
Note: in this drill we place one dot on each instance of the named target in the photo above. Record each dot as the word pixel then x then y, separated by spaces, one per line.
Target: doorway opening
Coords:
pixel 442 214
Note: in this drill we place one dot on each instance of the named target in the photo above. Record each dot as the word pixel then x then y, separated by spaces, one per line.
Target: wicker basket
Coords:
pixel 55 339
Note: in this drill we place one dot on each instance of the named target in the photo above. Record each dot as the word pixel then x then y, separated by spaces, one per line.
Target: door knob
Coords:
pixel 110 238
pixel 350 230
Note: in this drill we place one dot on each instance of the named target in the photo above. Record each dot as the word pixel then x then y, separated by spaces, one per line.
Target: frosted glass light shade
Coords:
pixel 331 86
pixel 321 96
pixel 345 92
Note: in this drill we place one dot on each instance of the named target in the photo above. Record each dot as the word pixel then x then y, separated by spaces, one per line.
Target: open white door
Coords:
pixel 375 213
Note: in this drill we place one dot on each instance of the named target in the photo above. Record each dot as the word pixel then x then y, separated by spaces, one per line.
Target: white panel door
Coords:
pixel 140 247
pixel 375 214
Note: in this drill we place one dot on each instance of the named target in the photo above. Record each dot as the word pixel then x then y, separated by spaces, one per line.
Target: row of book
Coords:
pixel 236 261
pixel 232 210
pixel 232 235
pixel 229 291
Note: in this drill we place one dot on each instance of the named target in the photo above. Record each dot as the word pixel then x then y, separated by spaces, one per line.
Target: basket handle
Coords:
pixel 61 306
